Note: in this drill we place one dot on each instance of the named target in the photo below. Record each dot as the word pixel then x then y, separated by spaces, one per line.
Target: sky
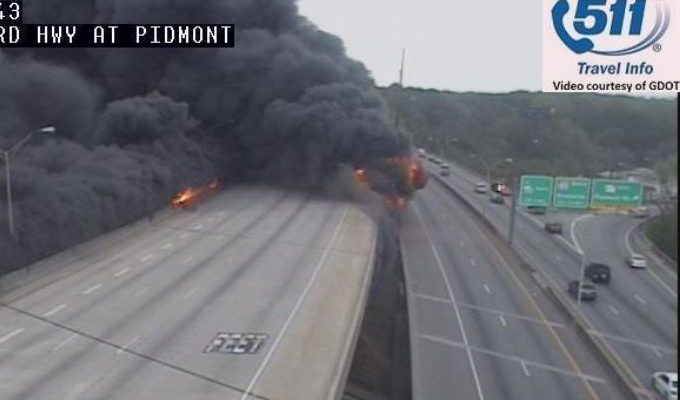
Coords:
pixel 470 45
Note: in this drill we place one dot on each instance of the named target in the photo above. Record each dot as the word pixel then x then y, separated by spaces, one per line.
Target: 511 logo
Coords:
pixel 619 46
pixel 583 25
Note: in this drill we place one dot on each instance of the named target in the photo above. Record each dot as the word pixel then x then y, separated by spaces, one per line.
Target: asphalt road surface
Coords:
pixel 636 314
pixel 133 315
pixel 477 331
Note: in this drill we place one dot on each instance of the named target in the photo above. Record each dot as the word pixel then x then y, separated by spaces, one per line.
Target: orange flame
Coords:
pixel 190 195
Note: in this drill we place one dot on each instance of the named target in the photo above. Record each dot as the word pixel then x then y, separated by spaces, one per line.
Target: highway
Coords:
pixel 477 329
pixel 136 314
pixel 636 314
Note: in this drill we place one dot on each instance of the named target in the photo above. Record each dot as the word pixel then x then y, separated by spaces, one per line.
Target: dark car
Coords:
pixel 496 198
pixel 598 273
pixel 553 227
pixel 588 291
pixel 538 210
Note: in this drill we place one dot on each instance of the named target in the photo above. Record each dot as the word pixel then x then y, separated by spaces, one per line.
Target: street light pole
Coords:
pixel 7 155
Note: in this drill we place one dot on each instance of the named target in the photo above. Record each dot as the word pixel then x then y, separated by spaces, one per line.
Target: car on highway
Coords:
pixel 437 161
pixel 637 261
pixel 480 187
pixel 445 170
pixel 639 212
pixel 553 227
pixel 431 158
pixel 588 290
pixel 505 191
pixel 666 384
pixel 598 273
pixel 537 210
pixel 422 153
pixel 496 198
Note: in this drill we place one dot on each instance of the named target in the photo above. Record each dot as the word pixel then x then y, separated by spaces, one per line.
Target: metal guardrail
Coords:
pixel 618 368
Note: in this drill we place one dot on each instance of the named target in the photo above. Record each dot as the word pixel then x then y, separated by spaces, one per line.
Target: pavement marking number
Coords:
pixel 237 343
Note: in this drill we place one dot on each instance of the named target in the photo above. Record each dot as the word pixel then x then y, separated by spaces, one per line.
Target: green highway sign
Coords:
pixel 572 193
pixel 535 190
pixel 615 193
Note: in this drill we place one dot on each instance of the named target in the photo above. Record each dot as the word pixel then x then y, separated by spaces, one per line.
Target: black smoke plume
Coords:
pixel 135 125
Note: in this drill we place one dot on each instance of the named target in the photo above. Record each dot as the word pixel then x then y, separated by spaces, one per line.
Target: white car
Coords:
pixel 666 384
pixel 481 187
pixel 637 261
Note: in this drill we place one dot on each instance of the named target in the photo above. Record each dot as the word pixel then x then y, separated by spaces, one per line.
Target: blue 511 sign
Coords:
pixel 591 25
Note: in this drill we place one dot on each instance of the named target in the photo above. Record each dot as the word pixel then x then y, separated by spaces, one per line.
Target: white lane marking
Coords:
pixel 92 289
pixel 55 310
pixel 627 238
pixel 190 293
pixel 296 308
pixel 558 258
pixel 640 299
pixel 187 260
pixel 613 310
pixel 510 357
pixel 658 353
pixel 487 288
pixel 473 263
pixel 634 342
pixel 184 235
pixel 127 346
pixel 221 213
pixel 488 310
pixel 142 291
pixel 122 272
pixel 525 368
pixel 146 257
pixel 167 246
pixel 432 298
pixel 505 324
pixel 662 283
pixel 65 342
pixel 572 229
pixel 462 243
pixel 199 226
pixel 552 331
pixel 211 219
pixel 453 301
pixel 11 335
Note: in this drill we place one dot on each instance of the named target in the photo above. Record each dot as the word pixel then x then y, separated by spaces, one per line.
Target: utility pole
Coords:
pixel 401 70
